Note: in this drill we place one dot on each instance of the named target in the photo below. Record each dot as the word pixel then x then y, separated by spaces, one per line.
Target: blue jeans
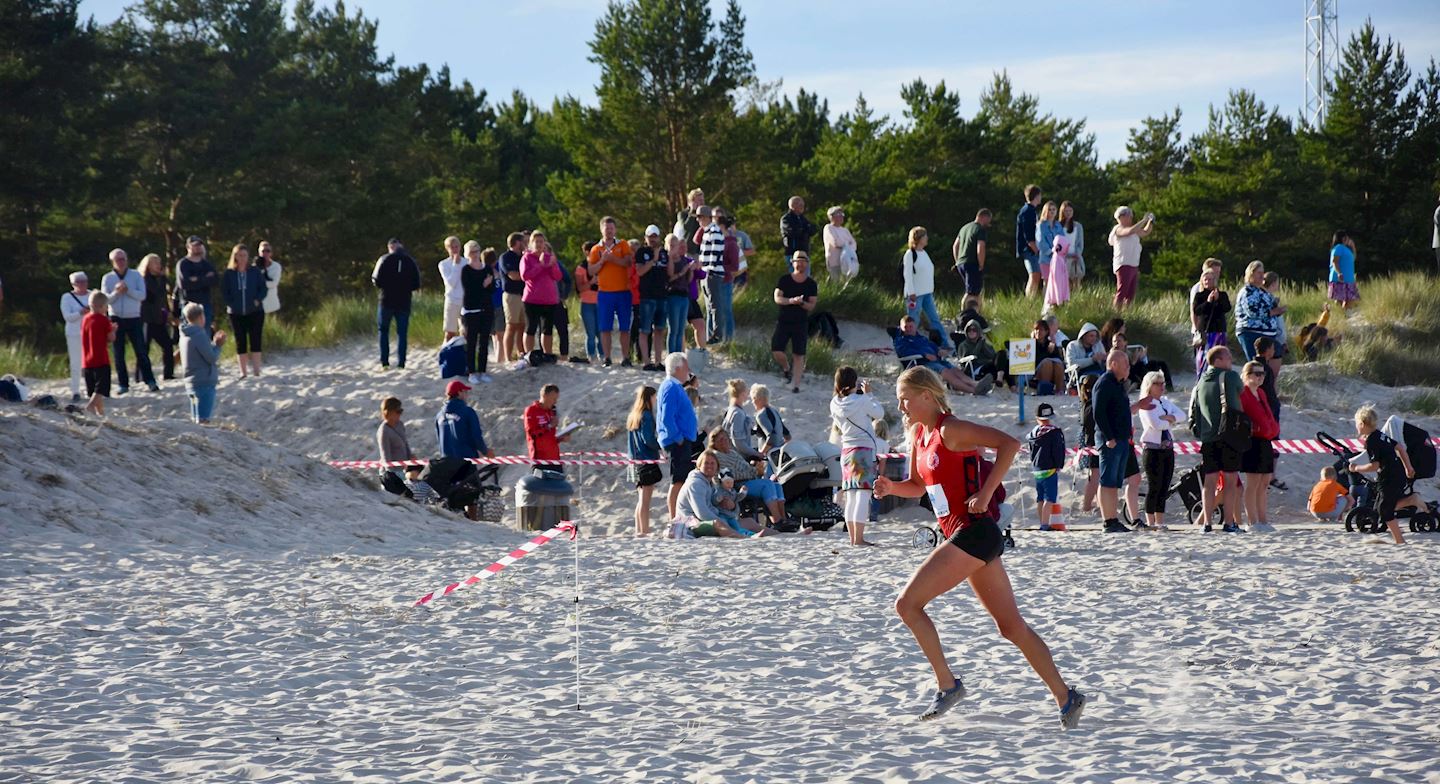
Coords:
pixel 1247 342
pixel 202 403
pixel 763 489
pixel 383 317
pixel 925 303
pixel 1112 464
pixel 720 308
pixel 677 307
pixel 133 330
pixel 590 316
pixel 647 312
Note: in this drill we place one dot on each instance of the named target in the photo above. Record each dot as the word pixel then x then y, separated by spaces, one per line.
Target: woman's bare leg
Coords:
pixel 944 569
pixel 992 588
pixel 1252 497
pixel 642 511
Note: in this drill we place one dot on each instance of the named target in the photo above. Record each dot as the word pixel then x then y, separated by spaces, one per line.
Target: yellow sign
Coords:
pixel 1022 357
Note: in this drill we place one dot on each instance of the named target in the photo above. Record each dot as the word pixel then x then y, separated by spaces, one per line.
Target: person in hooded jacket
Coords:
pixel 1084 356
pixel 854 413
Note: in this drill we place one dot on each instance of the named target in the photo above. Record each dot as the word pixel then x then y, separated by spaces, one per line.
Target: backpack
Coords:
pixel 823 327
pixel 1417 445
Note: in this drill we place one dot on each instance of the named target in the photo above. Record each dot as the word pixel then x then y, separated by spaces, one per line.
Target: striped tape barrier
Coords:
pixel 1282 447
pixel 515 555
pixel 491 461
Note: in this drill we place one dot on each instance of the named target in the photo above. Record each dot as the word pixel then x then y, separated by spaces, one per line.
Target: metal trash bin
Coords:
pixel 542 500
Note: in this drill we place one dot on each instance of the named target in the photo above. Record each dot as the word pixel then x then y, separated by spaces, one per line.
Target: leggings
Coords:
pixel 160 334
pixel 477 326
pixel 559 320
pixel 248 329
pixel 1159 470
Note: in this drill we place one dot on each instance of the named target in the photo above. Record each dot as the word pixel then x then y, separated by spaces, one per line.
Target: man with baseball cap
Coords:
pixel 457 426
pixel 652 266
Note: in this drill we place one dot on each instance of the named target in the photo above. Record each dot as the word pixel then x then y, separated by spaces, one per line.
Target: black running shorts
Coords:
pixel 981 539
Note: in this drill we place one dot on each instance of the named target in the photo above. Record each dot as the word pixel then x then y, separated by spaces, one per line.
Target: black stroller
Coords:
pixel 459 484
pixel 1362 517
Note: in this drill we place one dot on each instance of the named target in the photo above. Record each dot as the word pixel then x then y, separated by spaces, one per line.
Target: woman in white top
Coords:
pixel 919 274
pixel 1076 257
pixel 1156 438
pixel 272 270
pixel 74 304
pixel 450 267
pixel 854 413
pixel 1125 239
pixel 840 258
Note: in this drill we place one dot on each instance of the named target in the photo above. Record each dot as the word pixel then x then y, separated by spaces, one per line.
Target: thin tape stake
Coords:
pixel 514 555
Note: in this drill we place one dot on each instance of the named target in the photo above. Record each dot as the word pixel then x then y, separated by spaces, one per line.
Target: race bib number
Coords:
pixel 938 501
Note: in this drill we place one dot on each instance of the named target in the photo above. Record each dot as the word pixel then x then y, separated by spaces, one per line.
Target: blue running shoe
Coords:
pixel 1074 706
pixel 944 701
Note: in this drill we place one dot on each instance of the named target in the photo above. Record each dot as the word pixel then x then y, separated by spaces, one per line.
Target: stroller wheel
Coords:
pixel 1423 522
pixel 925 538
pixel 1362 520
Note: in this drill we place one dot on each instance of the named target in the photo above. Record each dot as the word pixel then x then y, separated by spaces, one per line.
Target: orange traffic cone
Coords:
pixel 1057 519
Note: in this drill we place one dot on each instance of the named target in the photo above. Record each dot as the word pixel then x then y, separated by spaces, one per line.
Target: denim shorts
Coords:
pixel 1048 489
pixel 1113 463
pixel 1032 262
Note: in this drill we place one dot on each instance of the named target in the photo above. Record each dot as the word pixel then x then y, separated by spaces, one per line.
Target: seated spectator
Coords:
pixel 1084 356
pixel 697 503
pixel 773 433
pixel 394 446
pixel 1112 335
pixel 457 426
pixel 974 352
pixel 727 501
pixel 747 473
pixel 1324 503
pixel 1055 332
pixel 911 345
pixel 1049 375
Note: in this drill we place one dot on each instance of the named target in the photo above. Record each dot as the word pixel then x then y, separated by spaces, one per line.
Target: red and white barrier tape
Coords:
pixel 1283 447
pixel 515 555
pixel 490 461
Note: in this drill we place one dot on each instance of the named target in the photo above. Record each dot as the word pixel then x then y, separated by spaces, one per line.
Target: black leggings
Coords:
pixel 160 334
pixel 560 322
pixel 1159 471
pixel 477 338
pixel 248 330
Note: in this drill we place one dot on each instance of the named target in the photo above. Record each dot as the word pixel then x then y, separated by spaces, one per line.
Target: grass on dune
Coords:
pixel 23 359
pixel 820 359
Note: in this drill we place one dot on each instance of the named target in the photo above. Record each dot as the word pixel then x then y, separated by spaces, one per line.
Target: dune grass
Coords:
pixel 23 359
pixel 820 359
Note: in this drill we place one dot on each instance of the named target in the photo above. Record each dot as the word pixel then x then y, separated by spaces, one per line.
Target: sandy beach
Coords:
pixel 183 603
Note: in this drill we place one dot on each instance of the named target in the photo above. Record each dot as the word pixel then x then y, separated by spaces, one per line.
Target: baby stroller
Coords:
pixel 1362 517
pixel 809 475
pixel 458 484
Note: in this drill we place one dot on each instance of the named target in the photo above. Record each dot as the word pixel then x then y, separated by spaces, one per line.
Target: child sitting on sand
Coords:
pixel 1325 497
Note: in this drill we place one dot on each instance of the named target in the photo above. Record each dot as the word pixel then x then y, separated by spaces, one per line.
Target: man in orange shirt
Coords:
pixel 1325 496
pixel 610 263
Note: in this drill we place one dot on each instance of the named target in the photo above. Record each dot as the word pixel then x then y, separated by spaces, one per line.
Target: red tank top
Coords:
pixel 950 478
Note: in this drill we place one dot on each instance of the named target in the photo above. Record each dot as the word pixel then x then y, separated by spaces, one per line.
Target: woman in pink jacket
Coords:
pixel 541 273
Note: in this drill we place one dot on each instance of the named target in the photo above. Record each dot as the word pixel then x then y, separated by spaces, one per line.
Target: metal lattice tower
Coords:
pixel 1322 47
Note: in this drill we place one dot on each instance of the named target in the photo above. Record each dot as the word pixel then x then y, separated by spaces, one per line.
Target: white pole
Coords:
pixel 577 615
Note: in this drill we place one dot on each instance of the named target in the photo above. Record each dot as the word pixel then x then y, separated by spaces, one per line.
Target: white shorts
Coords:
pixel 451 320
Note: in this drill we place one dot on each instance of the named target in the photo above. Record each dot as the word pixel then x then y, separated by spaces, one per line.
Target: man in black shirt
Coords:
pixel 796 294
pixel 513 343
pixel 398 277
pixel 477 310
pixel 652 267
pixel 795 229
pixel 195 276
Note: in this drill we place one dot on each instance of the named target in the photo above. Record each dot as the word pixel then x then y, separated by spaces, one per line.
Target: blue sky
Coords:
pixel 1112 63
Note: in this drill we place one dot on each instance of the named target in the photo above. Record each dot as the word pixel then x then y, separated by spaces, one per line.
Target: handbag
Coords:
pixel 647 474
pixel 1235 426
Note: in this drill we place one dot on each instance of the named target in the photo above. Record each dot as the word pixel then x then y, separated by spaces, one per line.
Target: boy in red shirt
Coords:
pixel 540 425
pixel 96 332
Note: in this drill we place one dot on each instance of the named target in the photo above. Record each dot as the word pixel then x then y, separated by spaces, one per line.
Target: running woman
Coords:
pixel 945 463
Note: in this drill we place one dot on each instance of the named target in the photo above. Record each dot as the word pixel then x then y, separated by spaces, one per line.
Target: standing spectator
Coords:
pixel 125 289
pixel 652 264
pixel 272 269
pixel 1265 355
pixel 1075 258
pixel 244 291
pixel 1258 462
pixel 918 274
pixel 773 432
pixel 1026 247
pixel 541 424
pixel 398 278
pixel 1435 238
pixel 610 262
pixel 477 308
pixel 450 267
pixel 1125 238
pixel 74 304
pixel 96 332
pixel 1208 308
pixel 677 296
pixel 394 447
pixel 795 229
pixel 514 292
pixel 195 277
pixel 1113 423
pixel 841 260
pixel 199 362
pixel 1047 228
pixel 1047 457
pixel 155 312
pixel 747 249
pixel 1255 310
pixel 1282 331
pixel 643 444
pixel 969 251
pixel 853 412
pixel 1057 278
pixel 687 221
pixel 796 294
pixel 1089 457
pixel 1157 438
pixel 541 273
pixel 1217 391
pixel 588 289
pixel 712 261
pixel 722 282
pixel 677 426
pixel 457 426
pixel 1342 270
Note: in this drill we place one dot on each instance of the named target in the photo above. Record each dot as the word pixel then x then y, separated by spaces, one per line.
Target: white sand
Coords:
pixel 213 604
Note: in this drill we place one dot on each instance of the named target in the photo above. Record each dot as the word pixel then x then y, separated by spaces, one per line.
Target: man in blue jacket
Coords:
pixel 1025 245
pixel 398 277
pixel 1111 406
pixel 676 424
pixel 457 426
pixel 910 344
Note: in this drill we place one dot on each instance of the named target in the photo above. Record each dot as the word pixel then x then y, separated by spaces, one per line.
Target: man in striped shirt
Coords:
pixel 717 283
